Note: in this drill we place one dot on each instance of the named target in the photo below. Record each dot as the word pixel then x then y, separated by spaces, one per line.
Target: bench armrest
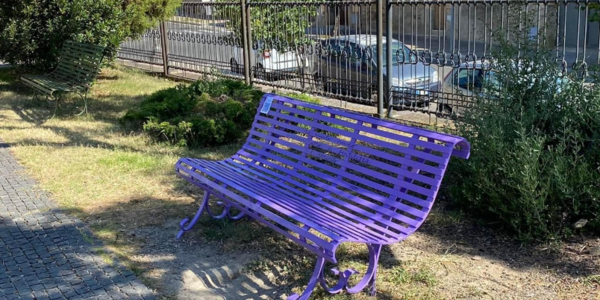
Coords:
pixel 463 150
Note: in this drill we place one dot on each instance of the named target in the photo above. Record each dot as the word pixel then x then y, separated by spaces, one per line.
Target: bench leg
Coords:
pixel 367 280
pixel 84 97
pixel 312 283
pixel 186 225
pixel 372 288
pixel 36 95
pixel 56 105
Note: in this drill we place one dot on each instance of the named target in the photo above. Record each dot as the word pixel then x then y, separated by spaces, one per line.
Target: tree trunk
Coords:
pixel 336 25
pixel 301 61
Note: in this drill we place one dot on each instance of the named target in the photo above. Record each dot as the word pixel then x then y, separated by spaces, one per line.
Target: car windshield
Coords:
pixel 397 49
pixel 473 78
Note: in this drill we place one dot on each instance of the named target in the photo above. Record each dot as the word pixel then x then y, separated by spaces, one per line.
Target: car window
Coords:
pixel 468 79
pixel 354 54
pixel 491 77
pixel 397 49
pixel 333 45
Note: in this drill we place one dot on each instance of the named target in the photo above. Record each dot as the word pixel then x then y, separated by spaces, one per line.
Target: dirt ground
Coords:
pixel 468 261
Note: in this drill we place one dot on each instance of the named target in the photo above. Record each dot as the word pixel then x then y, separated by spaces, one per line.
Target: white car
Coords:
pixel 267 64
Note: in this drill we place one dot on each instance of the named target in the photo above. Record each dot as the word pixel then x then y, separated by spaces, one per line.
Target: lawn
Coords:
pixel 123 187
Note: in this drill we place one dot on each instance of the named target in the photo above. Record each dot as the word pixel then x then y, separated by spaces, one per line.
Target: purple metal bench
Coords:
pixel 323 176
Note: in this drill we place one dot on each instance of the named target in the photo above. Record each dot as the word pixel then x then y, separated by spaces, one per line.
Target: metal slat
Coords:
pixel 278 164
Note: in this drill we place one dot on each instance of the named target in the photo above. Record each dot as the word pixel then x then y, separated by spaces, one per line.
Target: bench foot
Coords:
pixel 342 284
pixel 317 273
pixel 367 280
pixel 186 225
pixel 85 108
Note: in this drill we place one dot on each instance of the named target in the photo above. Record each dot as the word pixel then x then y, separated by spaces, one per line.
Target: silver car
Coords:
pixel 347 65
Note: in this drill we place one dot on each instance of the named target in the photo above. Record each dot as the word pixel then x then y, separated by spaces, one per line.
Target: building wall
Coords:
pixel 479 23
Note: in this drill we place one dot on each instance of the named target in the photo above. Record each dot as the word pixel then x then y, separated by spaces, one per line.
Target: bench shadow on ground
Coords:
pixel 38 112
pixel 205 265
pixel 191 268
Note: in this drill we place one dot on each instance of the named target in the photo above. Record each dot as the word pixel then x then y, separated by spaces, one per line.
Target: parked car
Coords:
pixel 268 64
pixel 466 82
pixel 347 65
pixel 217 48
pixel 461 85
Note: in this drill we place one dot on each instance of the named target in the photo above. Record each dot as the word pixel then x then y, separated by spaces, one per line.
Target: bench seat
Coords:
pixel 323 176
pixel 334 225
pixel 47 85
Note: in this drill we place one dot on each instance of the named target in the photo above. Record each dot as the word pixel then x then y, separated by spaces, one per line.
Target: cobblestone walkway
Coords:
pixel 45 254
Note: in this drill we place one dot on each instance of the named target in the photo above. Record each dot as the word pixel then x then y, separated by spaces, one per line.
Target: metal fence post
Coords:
pixel 380 92
pixel 245 11
pixel 388 53
pixel 164 47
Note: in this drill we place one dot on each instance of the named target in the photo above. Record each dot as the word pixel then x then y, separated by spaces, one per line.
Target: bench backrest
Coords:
pixel 79 63
pixel 381 174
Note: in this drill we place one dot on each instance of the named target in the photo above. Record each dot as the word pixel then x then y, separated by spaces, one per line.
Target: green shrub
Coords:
pixel 176 134
pixel 163 105
pixel 204 113
pixel 32 31
pixel 535 148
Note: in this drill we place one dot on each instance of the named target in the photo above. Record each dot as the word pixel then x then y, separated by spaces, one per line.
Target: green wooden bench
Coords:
pixel 78 66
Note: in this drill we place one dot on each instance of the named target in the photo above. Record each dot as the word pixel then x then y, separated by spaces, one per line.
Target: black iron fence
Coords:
pixel 419 61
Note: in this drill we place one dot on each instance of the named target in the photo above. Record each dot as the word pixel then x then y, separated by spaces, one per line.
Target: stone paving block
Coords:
pixel 43 254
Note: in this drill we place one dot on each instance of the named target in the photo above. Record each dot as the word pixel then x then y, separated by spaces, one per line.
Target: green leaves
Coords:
pixel 535 155
pixel 281 27
pixel 204 113
pixel 32 31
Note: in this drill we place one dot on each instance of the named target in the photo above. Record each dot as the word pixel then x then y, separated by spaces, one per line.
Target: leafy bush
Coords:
pixel 164 105
pixel 535 156
pixel 32 31
pixel 204 113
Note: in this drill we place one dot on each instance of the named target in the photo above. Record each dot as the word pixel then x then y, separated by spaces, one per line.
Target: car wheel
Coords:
pixel 235 67
pixel 317 79
pixel 317 82
pixel 261 73
pixel 329 86
pixel 444 109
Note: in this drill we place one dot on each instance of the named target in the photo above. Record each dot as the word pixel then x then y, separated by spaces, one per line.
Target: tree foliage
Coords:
pixel 281 27
pixel 32 31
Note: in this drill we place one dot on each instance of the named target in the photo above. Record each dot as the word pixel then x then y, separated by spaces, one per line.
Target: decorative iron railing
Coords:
pixel 432 52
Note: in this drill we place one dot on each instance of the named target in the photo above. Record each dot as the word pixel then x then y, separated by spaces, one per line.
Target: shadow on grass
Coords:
pixel 9 82
pixel 203 259
pixel 463 236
